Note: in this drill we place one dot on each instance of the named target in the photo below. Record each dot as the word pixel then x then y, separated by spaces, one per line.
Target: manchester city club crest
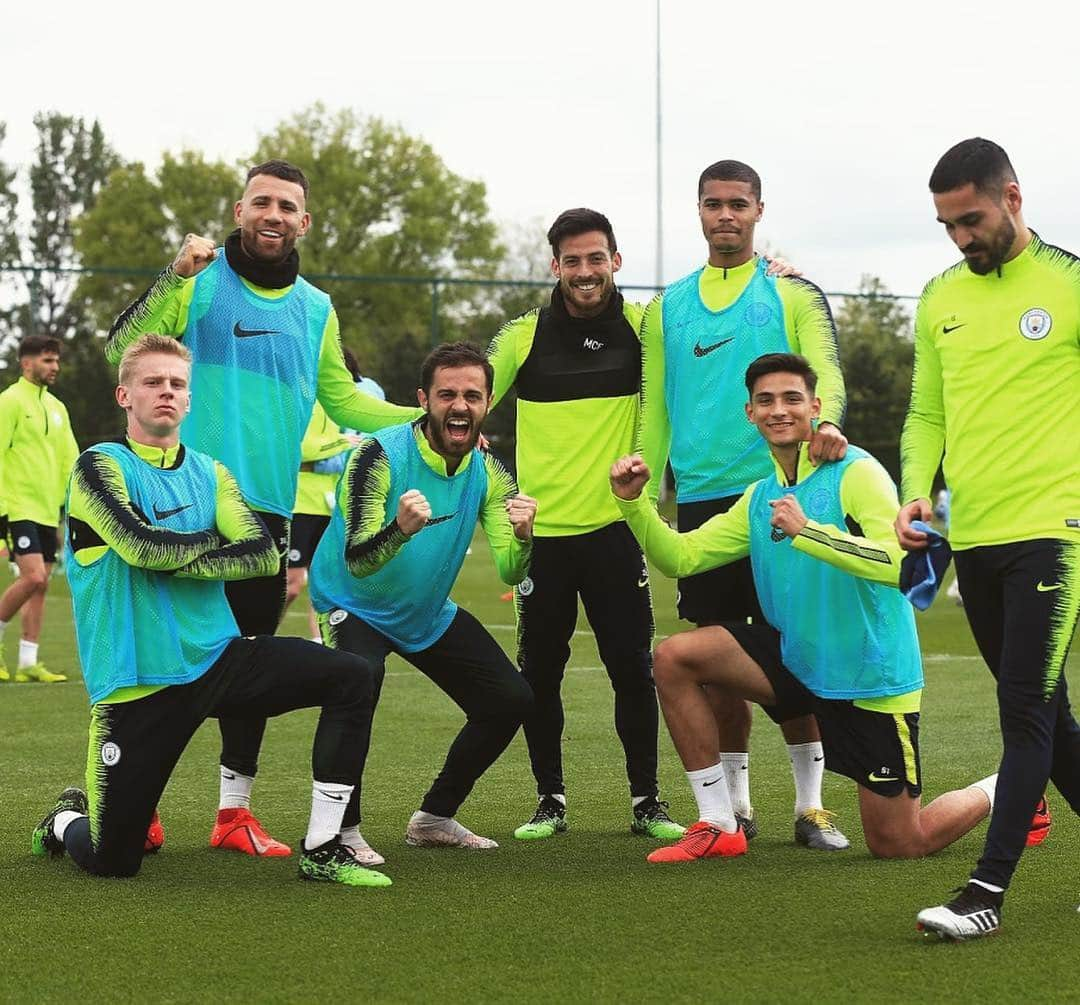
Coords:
pixel 1035 324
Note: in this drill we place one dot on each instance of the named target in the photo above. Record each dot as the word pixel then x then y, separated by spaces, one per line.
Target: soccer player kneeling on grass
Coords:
pixel 154 530
pixel 408 504
pixel 826 567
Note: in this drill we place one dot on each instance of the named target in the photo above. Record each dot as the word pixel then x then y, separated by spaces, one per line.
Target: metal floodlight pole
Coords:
pixel 659 164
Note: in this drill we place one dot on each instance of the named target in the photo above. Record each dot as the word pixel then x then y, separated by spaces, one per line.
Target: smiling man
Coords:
pixel 997 335
pixel 408 504
pixel 819 542
pixel 265 345
pixel 154 530
pixel 576 367
pixel 698 338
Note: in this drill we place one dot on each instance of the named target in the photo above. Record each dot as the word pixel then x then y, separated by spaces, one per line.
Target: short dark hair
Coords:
pixel 575 222
pixel 35 345
pixel 976 161
pixel 730 171
pixel 780 362
pixel 280 169
pixel 454 354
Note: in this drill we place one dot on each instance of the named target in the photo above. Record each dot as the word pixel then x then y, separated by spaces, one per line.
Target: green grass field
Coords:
pixel 580 917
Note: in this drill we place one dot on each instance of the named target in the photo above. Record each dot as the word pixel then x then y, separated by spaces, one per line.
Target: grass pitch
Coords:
pixel 579 917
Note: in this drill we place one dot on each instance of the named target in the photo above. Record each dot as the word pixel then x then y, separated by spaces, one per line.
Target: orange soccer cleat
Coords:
pixel 702 840
pixel 238 830
pixel 1040 824
pixel 155 836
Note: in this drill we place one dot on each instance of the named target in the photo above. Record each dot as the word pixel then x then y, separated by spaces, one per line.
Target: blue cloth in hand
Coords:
pixel 922 572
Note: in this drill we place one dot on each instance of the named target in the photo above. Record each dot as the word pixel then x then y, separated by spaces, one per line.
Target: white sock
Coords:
pixel 352 838
pixel 317 638
pixel 636 801
pixel 987 886
pixel 559 797
pixel 988 786
pixel 235 790
pixel 27 654
pixel 713 798
pixel 61 821
pixel 807 767
pixel 737 774
pixel 328 801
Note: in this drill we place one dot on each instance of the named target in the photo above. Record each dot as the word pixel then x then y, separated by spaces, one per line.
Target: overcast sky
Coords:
pixel 843 107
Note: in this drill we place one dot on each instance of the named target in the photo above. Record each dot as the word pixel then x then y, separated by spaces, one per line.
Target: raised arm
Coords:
pixel 248 550
pixel 509 532
pixel 720 540
pixel 370 542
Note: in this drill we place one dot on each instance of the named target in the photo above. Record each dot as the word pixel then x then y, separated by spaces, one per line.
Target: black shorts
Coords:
pixel 878 750
pixel 719 595
pixel 24 537
pixel 307 529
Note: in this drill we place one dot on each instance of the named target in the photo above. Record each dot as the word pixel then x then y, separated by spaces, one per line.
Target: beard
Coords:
pixel 992 254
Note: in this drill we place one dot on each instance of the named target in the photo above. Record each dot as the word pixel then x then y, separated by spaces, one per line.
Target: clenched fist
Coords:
pixel 787 515
pixel 629 475
pixel 195 254
pixel 413 511
pixel 522 511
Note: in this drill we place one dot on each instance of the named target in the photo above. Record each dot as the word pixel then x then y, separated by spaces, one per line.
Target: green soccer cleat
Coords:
pixel 334 863
pixel 38 672
pixel 4 675
pixel 651 819
pixel 42 840
pixel 815 829
pixel 548 820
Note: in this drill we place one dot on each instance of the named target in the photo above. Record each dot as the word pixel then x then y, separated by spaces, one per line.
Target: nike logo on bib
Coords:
pixel 252 332
pixel 700 350
pixel 162 514
pixel 440 519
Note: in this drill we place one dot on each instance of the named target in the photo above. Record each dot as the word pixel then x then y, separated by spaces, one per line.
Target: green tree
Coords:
pixel 876 351
pixel 139 221
pixel 384 203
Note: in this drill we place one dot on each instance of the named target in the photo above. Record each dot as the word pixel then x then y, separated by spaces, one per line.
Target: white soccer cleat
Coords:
pixel 363 852
pixel 973 913
pixel 815 829
pixel 425 830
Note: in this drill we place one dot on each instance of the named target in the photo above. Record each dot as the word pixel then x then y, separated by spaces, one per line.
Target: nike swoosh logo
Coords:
pixel 643 582
pixel 440 519
pixel 229 777
pixel 161 514
pixel 260 848
pixel 946 330
pixel 879 778
pixel 705 785
pixel 816 759
pixel 252 332
pixel 700 350
pixel 1043 588
pixel 330 795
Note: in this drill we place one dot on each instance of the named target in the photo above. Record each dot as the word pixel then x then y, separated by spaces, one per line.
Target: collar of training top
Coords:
pixel 268 275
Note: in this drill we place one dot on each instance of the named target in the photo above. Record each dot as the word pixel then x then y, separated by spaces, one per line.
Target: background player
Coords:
pixel 153 530
pixel 997 335
pixel 844 645
pixel 698 338
pixel 265 345
pixel 408 505
pixel 37 451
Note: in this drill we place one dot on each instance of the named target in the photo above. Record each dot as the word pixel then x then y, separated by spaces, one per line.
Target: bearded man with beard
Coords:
pixel 997 335
pixel 408 503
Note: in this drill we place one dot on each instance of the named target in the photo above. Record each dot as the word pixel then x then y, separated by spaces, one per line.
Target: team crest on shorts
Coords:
pixel 23 542
pixel 1035 324
pixel 110 754
pixel 525 587
pixel 294 555
pixel 336 617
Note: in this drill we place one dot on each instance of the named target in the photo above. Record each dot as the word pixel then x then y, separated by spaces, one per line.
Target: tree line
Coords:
pixel 383 204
